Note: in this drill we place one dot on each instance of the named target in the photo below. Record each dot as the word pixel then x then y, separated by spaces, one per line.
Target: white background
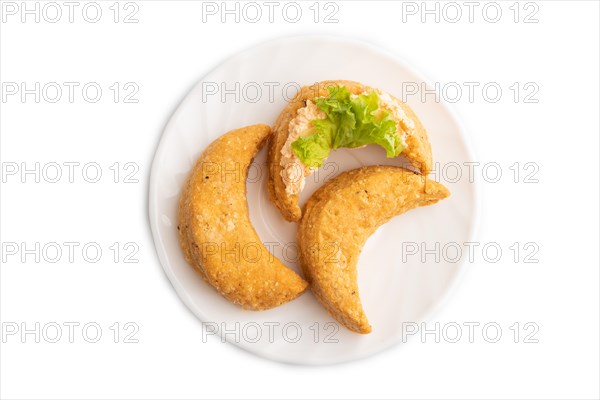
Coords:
pixel 164 54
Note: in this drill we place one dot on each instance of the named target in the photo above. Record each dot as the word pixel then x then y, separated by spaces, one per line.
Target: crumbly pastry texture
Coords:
pixel 339 218
pixel 215 232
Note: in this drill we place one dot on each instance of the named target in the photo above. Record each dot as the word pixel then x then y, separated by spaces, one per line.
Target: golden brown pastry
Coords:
pixel 337 221
pixel 334 114
pixel 215 232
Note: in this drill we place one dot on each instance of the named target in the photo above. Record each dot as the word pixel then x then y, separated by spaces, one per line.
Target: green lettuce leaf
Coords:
pixel 350 122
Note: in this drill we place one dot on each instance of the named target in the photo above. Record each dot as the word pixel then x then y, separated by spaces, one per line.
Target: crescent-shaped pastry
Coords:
pixel 335 114
pixel 337 221
pixel 215 232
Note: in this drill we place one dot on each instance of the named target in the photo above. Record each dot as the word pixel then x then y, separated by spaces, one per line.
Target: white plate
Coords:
pixel 393 292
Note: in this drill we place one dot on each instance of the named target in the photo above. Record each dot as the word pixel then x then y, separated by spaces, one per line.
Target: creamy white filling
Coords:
pixel 404 125
pixel 294 172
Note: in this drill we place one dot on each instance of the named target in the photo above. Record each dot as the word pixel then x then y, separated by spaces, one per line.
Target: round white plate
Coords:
pixel 396 287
